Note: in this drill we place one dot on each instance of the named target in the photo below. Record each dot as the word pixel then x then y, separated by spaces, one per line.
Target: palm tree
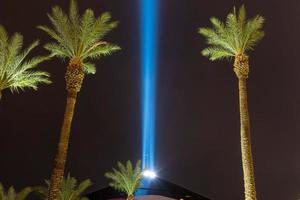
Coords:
pixel 126 179
pixel 11 193
pixel 234 39
pixel 70 189
pixel 17 72
pixel 78 39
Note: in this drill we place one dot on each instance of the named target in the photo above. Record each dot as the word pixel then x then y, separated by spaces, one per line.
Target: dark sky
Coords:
pixel 197 111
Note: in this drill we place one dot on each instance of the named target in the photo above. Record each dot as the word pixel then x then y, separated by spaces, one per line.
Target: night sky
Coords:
pixel 197 102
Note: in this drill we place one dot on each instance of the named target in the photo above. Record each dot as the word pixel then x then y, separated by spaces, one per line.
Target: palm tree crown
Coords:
pixel 234 37
pixel 16 72
pixel 70 189
pixel 126 179
pixel 11 193
pixel 79 36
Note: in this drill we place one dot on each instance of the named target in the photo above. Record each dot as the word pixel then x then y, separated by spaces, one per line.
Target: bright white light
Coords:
pixel 149 174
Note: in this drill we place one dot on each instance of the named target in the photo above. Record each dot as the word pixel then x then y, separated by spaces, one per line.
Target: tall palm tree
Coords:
pixel 78 39
pixel 17 72
pixel 70 189
pixel 11 193
pixel 234 39
pixel 126 179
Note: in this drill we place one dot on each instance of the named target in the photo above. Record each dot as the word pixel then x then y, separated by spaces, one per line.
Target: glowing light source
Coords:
pixel 148 75
pixel 149 174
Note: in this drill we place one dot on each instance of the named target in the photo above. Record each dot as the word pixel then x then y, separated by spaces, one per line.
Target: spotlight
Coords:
pixel 149 174
pixel 148 28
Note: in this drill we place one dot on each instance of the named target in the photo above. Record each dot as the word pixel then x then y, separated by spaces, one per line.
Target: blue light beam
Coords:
pixel 148 59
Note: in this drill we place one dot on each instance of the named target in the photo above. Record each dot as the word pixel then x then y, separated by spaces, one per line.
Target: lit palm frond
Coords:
pixel 236 36
pixel 126 178
pixel 70 189
pixel 17 72
pixel 79 36
pixel 11 193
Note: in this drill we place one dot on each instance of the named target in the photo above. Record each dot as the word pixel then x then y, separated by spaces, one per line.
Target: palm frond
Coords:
pixel 29 80
pixel 242 16
pixel 126 178
pixel 57 50
pixel 215 53
pixel 2 191
pixel 86 25
pixel 101 51
pixel 83 186
pixel 74 14
pixel 217 38
pixel 237 35
pixel 13 48
pixel 11 193
pixel 63 27
pixel 20 58
pixel 70 189
pixel 254 32
pixel 24 193
pixel 54 35
pixel 89 68
pixel 3 35
pixel 17 72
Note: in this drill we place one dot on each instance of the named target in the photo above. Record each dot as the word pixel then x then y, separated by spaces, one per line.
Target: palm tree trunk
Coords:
pixel 241 68
pixel 60 160
pixel 130 197
pixel 247 160
pixel 74 78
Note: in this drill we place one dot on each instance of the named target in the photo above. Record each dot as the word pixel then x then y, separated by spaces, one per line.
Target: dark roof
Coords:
pixel 155 186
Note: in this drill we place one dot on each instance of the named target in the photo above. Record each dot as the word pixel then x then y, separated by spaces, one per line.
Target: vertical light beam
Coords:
pixel 148 62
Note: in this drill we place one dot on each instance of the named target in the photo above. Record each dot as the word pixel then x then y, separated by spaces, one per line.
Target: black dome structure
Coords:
pixel 151 189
